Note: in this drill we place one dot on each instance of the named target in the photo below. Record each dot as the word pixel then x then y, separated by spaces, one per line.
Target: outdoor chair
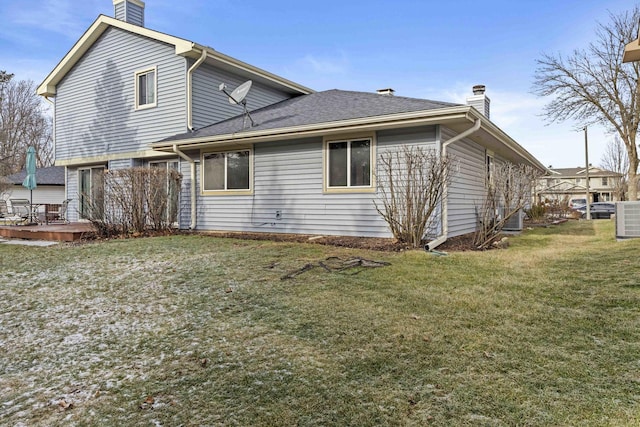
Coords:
pixel 21 208
pixel 59 214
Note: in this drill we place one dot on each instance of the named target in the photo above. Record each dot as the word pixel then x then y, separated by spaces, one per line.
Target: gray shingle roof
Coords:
pixel 320 107
pixel 580 172
pixel 52 175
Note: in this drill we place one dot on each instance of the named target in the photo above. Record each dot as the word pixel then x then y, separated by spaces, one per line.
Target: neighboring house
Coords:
pixel 128 96
pixel 564 184
pixel 50 188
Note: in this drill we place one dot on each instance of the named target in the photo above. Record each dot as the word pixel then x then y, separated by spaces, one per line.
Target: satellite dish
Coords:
pixel 239 93
pixel 237 96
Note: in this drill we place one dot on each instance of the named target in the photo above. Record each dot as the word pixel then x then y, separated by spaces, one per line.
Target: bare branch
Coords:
pixel 593 86
pixel 411 185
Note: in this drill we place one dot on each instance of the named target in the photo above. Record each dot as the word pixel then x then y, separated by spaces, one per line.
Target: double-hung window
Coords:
pixel 227 172
pixel 146 88
pixel 349 164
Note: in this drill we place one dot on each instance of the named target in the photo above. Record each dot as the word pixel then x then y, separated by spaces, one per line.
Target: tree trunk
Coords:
pixel 633 180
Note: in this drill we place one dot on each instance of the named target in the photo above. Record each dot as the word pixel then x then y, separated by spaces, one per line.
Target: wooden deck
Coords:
pixel 54 232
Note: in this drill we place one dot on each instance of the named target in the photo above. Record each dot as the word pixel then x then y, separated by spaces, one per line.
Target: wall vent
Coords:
pixel 627 220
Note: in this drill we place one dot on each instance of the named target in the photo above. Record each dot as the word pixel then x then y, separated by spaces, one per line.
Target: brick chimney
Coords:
pixel 479 100
pixel 131 11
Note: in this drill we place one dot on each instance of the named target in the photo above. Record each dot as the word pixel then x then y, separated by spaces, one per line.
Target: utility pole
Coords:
pixel 586 160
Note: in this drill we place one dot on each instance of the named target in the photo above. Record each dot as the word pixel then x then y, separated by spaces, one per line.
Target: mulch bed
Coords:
pixel 453 244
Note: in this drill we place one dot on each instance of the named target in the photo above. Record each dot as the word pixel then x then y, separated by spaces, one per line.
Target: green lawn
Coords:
pixel 196 330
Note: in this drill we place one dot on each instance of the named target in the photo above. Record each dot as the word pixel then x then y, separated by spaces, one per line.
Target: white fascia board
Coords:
pixel 100 25
pixel 214 55
pixel 101 159
pixel 508 142
pixel 425 117
pixel 182 47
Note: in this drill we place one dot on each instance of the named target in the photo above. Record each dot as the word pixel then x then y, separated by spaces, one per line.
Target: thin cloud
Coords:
pixel 65 17
pixel 326 65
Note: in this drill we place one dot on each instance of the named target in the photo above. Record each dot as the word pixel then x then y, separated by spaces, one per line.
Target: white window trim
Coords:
pixel 225 192
pixel 138 73
pixel 349 188
pixel 78 182
pixel 490 167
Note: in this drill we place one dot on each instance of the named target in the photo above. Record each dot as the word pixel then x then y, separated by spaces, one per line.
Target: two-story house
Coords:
pixel 303 162
pixel 564 184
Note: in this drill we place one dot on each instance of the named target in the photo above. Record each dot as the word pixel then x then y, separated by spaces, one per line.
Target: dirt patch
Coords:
pixel 369 243
pixel 453 244
pixel 458 244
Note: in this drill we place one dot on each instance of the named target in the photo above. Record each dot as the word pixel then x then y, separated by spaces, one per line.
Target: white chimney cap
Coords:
pixel 387 91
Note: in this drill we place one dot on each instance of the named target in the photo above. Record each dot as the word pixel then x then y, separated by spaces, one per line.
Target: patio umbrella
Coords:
pixel 30 180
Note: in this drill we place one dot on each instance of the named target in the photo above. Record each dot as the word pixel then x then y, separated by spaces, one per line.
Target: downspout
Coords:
pixel 192 163
pixel 445 220
pixel 200 60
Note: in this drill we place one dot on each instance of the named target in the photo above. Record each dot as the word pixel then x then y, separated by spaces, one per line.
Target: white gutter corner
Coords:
pixel 445 221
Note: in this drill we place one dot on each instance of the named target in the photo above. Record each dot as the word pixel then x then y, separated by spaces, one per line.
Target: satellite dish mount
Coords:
pixel 237 96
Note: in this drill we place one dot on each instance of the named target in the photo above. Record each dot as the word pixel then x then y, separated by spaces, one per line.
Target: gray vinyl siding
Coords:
pixel 210 105
pixel 466 191
pixel 119 11
pixel 288 177
pixel 72 193
pixel 120 164
pixel 95 102
pixel 129 12
pixel 135 14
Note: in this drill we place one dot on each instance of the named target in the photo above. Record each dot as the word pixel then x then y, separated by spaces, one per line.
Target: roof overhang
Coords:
pixel 183 47
pixel 458 118
pixel 632 51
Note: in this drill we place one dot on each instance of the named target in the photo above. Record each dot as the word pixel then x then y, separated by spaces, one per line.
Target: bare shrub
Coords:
pixel 537 212
pixel 508 192
pixel 135 200
pixel 412 186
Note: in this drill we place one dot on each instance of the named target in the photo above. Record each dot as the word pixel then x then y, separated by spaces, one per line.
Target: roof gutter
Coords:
pixel 316 129
pixel 200 60
pixel 445 220
pixel 192 164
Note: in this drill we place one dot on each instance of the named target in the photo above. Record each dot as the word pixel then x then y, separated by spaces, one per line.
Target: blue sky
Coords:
pixel 426 49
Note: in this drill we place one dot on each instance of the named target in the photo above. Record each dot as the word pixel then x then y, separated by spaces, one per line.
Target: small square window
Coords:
pixel 349 163
pixel 226 171
pixel 146 88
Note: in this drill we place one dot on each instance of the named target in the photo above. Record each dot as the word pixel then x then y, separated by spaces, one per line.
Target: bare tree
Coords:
pixel 616 159
pixel 593 86
pixel 412 185
pixel 23 123
pixel 508 192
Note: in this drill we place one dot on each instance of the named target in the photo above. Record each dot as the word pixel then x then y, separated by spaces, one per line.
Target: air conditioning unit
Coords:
pixel 627 220
pixel 515 223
